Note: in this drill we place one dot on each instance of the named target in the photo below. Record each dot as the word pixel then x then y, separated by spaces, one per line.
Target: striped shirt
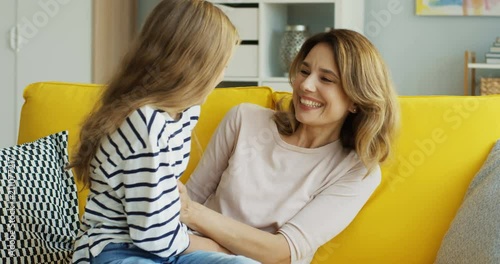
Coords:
pixel 133 196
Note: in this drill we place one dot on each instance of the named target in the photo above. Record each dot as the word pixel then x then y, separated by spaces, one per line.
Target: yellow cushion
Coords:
pixel 443 142
pixel 53 107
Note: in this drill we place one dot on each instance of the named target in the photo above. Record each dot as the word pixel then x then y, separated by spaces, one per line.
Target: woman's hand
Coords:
pixel 187 205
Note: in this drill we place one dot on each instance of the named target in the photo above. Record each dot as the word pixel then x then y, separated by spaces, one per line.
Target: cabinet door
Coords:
pixel 7 74
pixel 55 43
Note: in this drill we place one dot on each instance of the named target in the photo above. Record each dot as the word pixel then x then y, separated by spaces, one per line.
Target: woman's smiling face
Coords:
pixel 318 96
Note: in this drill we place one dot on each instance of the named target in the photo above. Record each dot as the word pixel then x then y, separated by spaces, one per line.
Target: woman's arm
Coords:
pixel 206 177
pixel 239 238
pixel 323 218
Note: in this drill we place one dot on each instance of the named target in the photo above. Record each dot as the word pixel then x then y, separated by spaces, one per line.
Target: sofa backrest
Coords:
pixel 442 143
pixel 51 107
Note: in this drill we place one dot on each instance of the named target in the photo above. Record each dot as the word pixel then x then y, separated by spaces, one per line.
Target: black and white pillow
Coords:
pixel 39 203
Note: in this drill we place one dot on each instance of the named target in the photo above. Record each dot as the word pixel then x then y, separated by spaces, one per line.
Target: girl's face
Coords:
pixel 221 76
pixel 318 96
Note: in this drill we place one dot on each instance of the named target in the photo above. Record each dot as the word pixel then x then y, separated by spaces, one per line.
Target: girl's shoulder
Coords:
pixel 144 114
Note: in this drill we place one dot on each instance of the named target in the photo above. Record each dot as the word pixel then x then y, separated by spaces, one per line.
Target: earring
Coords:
pixel 354 110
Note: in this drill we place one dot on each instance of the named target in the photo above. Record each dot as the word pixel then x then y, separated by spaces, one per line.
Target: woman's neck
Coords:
pixel 312 137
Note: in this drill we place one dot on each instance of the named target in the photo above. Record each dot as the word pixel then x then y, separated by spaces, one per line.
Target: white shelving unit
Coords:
pixel 483 66
pixel 261 24
pixel 470 67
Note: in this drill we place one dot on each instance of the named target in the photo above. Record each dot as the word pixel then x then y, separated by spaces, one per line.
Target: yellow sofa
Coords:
pixel 442 144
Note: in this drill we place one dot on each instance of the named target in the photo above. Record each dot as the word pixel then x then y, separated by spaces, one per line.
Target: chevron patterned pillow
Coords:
pixel 38 200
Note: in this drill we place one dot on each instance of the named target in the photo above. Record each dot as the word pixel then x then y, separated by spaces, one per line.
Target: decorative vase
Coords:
pixel 293 38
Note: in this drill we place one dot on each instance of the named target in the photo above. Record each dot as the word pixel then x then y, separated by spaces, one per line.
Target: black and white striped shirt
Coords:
pixel 133 196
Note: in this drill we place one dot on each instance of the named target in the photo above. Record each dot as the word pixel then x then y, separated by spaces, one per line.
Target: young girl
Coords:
pixel 136 144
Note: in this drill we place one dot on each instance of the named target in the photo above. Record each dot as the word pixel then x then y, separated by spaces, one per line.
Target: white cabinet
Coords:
pixel 245 19
pixel 244 62
pixel 51 41
pixel 262 37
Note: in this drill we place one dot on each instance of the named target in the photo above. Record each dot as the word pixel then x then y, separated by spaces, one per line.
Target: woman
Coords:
pixel 314 165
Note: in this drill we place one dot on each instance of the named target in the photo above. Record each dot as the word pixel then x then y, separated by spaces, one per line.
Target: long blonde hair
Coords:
pixel 366 81
pixel 173 64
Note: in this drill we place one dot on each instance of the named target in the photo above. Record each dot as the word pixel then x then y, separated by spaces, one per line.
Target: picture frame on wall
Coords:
pixel 458 7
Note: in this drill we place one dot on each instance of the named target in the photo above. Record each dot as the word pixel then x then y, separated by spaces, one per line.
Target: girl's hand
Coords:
pixel 186 204
pixel 187 216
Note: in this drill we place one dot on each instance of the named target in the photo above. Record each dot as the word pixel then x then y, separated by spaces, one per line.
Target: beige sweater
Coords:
pixel 250 174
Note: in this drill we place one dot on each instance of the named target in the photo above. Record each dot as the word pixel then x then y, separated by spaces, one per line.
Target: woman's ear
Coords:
pixel 353 109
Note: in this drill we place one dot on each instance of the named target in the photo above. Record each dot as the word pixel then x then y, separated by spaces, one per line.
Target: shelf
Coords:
pixel 483 66
pixel 263 22
pixel 470 67
pixel 276 15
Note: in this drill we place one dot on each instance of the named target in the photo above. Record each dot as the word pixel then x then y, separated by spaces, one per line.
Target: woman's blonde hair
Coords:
pixel 366 82
pixel 174 63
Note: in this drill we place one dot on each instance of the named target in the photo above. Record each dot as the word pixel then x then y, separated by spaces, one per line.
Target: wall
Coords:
pixel 144 8
pixel 8 133
pixel 424 53
pixel 55 44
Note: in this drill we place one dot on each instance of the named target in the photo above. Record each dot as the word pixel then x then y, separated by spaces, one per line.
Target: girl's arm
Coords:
pixel 205 244
pixel 239 238
pixel 145 184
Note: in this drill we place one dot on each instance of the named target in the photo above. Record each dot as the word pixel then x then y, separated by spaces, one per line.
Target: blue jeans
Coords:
pixel 124 253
